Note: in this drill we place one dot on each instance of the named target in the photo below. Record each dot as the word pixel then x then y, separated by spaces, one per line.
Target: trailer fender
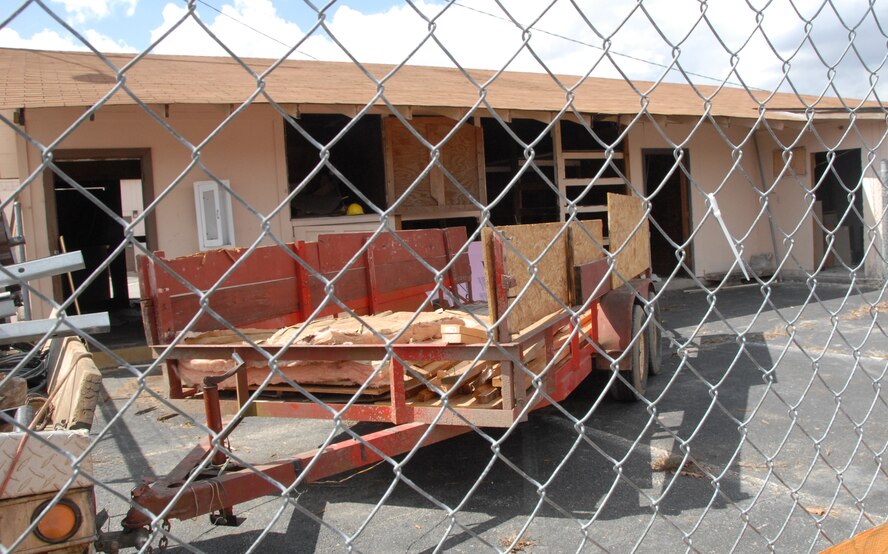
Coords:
pixel 615 314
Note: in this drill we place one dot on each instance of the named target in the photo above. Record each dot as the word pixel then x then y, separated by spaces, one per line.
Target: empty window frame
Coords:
pixel 357 155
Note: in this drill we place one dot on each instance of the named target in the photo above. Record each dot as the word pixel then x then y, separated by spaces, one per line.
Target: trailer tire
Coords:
pixel 637 374
pixel 654 333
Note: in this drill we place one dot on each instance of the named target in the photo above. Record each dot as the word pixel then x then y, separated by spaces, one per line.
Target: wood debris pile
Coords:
pixel 403 327
pixel 479 384
pixel 467 383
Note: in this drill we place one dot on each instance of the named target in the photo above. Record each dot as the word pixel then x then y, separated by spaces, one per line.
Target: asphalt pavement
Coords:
pixel 765 429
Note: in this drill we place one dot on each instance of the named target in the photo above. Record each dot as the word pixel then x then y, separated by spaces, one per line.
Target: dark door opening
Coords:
pixel 86 227
pixel 840 198
pixel 122 181
pixel 670 208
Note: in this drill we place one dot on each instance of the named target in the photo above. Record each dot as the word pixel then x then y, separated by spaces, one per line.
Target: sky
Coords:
pixel 760 44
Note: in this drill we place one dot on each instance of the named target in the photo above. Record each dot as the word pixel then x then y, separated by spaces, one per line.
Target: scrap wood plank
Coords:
pixel 529 355
pixel 536 363
pixel 326 389
pixel 462 334
pixel 432 368
pixel 424 395
pixel 458 401
pixel 632 246
pixel 469 369
pixel 486 393
pixel 542 322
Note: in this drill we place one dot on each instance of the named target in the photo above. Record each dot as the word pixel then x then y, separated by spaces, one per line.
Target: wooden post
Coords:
pixel 399 402
pixel 302 283
pixel 372 285
pixel 70 277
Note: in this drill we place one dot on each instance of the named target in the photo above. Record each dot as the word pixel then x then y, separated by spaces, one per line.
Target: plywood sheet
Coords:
pixel 552 270
pixel 460 158
pixel 630 241
pixel 409 158
pixel 586 249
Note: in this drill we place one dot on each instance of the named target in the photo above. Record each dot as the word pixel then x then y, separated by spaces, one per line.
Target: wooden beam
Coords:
pixel 461 334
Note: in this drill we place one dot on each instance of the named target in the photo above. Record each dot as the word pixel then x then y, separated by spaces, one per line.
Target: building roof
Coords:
pixel 39 79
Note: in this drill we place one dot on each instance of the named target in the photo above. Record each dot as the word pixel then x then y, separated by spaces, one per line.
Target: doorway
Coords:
pixel 670 208
pixel 121 182
pixel 838 213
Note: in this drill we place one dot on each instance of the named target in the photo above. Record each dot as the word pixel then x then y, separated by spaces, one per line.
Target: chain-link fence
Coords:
pixel 621 290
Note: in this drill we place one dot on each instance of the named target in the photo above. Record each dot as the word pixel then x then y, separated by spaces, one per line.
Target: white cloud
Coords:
pixel 51 40
pixel 80 11
pixel 247 27
pixel 565 38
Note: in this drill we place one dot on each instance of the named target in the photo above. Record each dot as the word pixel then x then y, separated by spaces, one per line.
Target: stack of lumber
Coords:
pixel 467 383
pixel 480 383
pixel 402 327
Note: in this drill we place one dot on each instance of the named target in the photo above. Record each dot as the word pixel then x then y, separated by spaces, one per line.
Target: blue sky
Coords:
pixel 479 33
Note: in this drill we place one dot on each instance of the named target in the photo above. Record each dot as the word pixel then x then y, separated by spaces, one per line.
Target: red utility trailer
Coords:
pixel 274 286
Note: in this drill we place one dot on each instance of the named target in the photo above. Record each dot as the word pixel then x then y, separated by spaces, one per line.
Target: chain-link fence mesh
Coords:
pixel 409 308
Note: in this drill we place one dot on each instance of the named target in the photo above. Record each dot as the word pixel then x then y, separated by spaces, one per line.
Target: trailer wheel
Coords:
pixel 637 373
pixel 654 335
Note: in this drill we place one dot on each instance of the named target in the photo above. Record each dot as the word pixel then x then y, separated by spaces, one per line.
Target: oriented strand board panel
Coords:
pixel 531 241
pixel 409 158
pixel 585 249
pixel 632 246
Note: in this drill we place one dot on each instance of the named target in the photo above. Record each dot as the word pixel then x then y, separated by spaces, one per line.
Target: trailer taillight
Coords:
pixel 60 523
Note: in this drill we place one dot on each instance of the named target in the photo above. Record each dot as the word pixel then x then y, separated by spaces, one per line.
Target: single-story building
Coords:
pixel 169 126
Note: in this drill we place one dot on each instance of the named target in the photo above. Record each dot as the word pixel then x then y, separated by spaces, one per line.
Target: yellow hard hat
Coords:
pixel 354 209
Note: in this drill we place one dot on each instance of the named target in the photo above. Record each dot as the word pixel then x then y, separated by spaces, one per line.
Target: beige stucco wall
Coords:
pixel 8 160
pixel 791 201
pixel 869 137
pixel 249 152
pixel 713 170
pixel 789 198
